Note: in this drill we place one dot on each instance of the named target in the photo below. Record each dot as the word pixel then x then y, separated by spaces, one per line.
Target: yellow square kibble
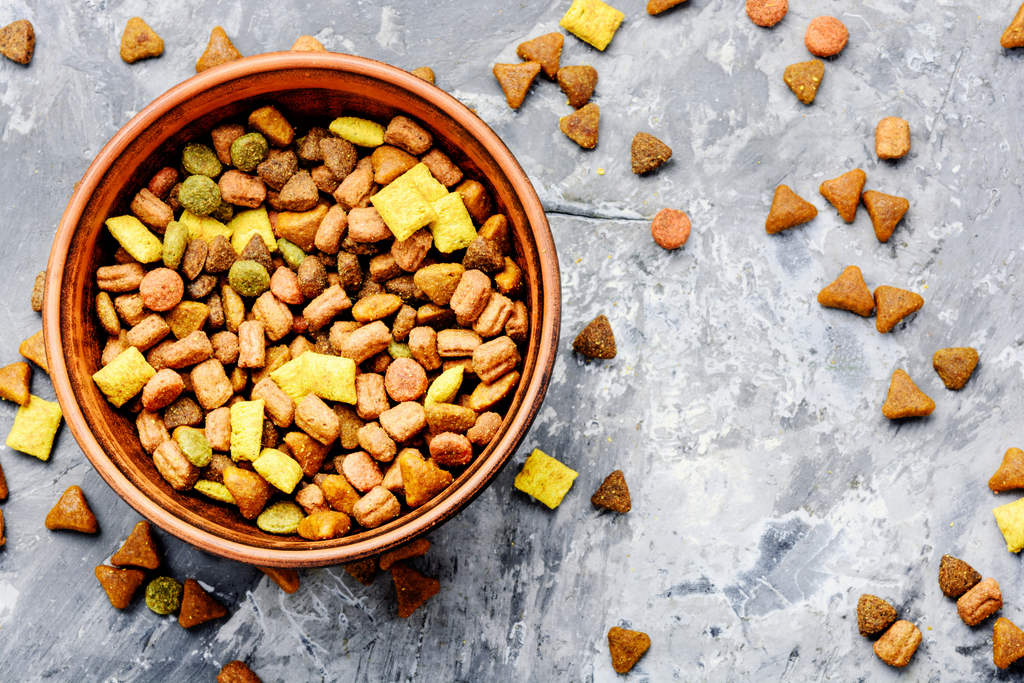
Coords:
pixel 203 227
pixel 332 378
pixel 246 430
pixel 124 376
pixel 453 228
pixel 281 471
pixel 425 182
pixel 444 388
pixel 403 208
pixel 293 379
pixel 245 224
pixel 137 240
pixel 187 317
pixel 35 425
pixel 215 490
pixel 545 478
pixel 592 21
pixel 358 131
pixel 1010 518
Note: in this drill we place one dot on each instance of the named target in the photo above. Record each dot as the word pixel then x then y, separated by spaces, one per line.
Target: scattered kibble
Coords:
pixel 139 41
pixel 767 13
pixel 198 606
pixel 874 615
pixel 885 212
pixel 670 228
pixel 656 7
pixel 592 21
pixel 1007 643
pixel 35 426
pixel 626 647
pixel 596 340
pixel 980 602
pixel 905 399
pixel 788 211
pixel 237 672
pixel 844 193
pixel 898 644
pixel 287 579
pixel 955 365
pixel 18 41
pixel 804 78
pixel 307 44
pixel 582 125
pixel 892 138
pixel 417 548
pixel 545 478
pixel 220 50
pixel 894 305
pixel 648 153
pixel 545 50
pixel 826 36
pixel 14 382
pixel 163 595
pixel 139 549
pixel 849 293
pixel 1010 518
pixel 1013 36
pixel 412 588
pixel 578 83
pixel 613 494
pixel 72 512
pixel 956 577
pixel 515 80
pixel 120 584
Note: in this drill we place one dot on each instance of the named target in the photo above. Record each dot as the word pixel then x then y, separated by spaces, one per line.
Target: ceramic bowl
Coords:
pixel 305 87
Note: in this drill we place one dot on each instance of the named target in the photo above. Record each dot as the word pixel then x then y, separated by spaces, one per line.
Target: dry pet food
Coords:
pixel 515 80
pixel 417 548
pixel 874 615
pixel 648 153
pixel 592 21
pixel 286 579
pixel 307 44
pixel 424 72
pixel 844 193
pixel 578 83
pixel 670 228
pixel 596 340
pixel 1007 643
pixel 18 41
pixel 163 595
pixel 581 125
pixel 198 606
pixel 1012 37
pixel 3 485
pixel 892 138
pixel 905 399
pixel 38 291
pixel 545 50
pixel 826 36
pixel 412 588
pixel 898 644
pixel 885 212
pixel 363 571
pixel 613 494
pixel 120 584
pixel 72 512
pixel 34 350
pixel 1010 518
pixel 1010 474
pixel 139 549
pixel 545 478
pixel 35 427
pixel 237 672
pixel 626 647
pixel 955 365
pixel 788 211
pixel 848 292
pixel 220 50
pixel 956 577
pixel 767 12
pixel 139 41
pixel 14 382
pixel 655 7
pixel 894 305
pixel 979 603
pixel 804 78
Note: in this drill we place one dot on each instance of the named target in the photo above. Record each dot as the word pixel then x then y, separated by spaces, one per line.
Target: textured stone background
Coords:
pixel 768 490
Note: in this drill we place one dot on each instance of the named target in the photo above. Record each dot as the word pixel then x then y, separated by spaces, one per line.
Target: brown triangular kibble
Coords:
pixel 412 588
pixel 581 125
pixel 1007 642
pixel 1013 36
pixel 198 606
pixel 34 349
pixel 3 539
pixel 655 7
pixel 596 340
pixel 626 647
pixel 613 494
pixel 424 72
pixel 219 51
pixel 894 305
pixel 515 80
pixel 256 250
pixel 139 550
pixel 364 571
pixel 220 255
pixel 648 153
pixel 849 293
pixel 905 399
pixel 803 78
pixel 72 512
pixel 140 41
pixel 885 211
pixel 287 579
pixel 844 193
pixel 18 41
pixel 956 577
pixel 577 82
pixel 14 382
pixel 3 485
pixel 120 584
pixel 307 44
pixel 417 548
pixel 546 50
pixel 237 672
pixel 1010 474
pixel 874 615
pixel 788 211
pixel 955 366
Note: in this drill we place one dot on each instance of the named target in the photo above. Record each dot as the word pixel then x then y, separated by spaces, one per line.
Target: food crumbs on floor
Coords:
pixel 596 340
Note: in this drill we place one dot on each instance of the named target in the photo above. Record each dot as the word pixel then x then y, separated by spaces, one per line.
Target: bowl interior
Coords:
pixel 306 88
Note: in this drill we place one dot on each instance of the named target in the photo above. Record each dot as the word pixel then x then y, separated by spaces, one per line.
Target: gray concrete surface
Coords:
pixel 768 490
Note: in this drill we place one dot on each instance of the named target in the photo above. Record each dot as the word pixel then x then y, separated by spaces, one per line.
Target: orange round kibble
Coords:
pixel 161 289
pixel 405 380
pixel 670 228
pixel 826 36
pixel 767 12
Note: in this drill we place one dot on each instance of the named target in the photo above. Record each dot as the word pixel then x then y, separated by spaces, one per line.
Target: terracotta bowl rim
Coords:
pixel 536 386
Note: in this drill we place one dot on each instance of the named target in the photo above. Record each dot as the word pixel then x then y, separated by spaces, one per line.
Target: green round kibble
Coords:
pixel 292 253
pixel 282 517
pixel 399 350
pixel 200 195
pixel 199 159
pixel 223 213
pixel 248 278
pixel 193 445
pixel 247 151
pixel 163 595
pixel 175 243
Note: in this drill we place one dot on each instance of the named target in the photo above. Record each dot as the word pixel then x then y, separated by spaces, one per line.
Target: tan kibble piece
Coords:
pixel 1010 474
pixel 486 396
pixel 34 349
pixel 442 168
pixel 219 51
pixel 885 212
pixel 307 44
pixel 175 467
pixel 417 548
pixel 892 138
pixel 484 428
pixel 3 485
pixel 139 549
pixel 767 12
pixel 423 479
pixel 844 193
pixel 874 615
pixel 72 512
pixel 979 603
pixel 323 525
pixel 451 450
pixel 1013 36
pixel 804 78
pixel 788 211
pixel 905 399
pixel 314 417
pixel 894 305
pixel 613 494
pixel 898 644
pixel 18 41
pixel 376 507
pixel 596 340
pixel 655 7
pixel 648 153
pixel 826 36
pixel 955 365
pixel 424 72
pixel 14 382
pixel 198 606
pixel 120 584
pixel 361 471
pixel 410 136
pixel 626 647
pixel 515 80
pixel 1007 643
pixel 581 126
pixel 439 281
pixel 237 672
pixel 956 577
pixel 287 579
pixel 545 50
pixel 139 41
pixel 388 163
pixel 848 292
pixel 250 491
pixel 39 290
